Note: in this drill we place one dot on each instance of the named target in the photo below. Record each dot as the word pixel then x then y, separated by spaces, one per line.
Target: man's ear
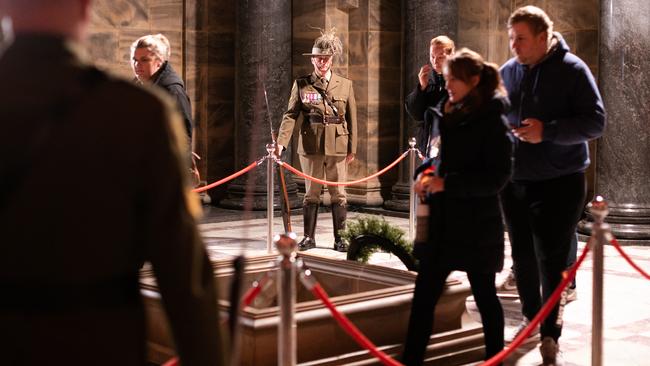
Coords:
pixel 542 36
pixel 474 80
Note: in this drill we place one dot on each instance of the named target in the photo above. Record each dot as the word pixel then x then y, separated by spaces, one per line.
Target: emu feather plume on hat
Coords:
pixel 328 44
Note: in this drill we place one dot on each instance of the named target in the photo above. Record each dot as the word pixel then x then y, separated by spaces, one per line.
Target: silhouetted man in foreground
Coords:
pixel 93 183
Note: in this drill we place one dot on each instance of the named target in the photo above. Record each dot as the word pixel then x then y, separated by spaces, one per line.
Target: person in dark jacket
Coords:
pixel 150 56
pixel 69 269
pixel 556 110
pixel 475 164
pixel 429 91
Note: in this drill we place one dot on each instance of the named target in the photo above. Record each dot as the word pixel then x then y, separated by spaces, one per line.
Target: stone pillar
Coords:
pixel 263 59
pixel 623 154
pixel 422 20
pixel 374 67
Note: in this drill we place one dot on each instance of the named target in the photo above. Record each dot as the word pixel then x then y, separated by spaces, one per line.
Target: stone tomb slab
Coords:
pixel 376 299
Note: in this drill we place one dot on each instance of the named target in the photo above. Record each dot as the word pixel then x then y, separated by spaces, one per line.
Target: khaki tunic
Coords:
pixel 93 184
pixel 322 147
pixel 317 138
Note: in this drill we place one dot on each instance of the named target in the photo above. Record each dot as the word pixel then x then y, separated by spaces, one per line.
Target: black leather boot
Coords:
pixel 339 213
pixel 310 214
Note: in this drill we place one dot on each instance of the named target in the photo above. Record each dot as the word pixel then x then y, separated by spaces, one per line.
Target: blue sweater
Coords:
pixel 561 92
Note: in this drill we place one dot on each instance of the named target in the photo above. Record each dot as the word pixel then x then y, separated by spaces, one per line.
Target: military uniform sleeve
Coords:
pixel 351 113
pixel 173 245
pixel 290 116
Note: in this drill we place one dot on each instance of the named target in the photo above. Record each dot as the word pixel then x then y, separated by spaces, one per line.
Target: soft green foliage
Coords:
pixel 375 225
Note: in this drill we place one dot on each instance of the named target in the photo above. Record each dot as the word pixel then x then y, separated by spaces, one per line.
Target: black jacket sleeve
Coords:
pixel 495 169
pixel 184 106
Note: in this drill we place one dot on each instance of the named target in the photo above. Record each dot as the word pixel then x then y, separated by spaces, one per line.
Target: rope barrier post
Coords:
pixel 412 201
pixel 599 210
pixel 286 245
pixel 270 159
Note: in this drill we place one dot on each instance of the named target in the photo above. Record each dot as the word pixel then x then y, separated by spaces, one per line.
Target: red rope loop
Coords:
pixel 543 313
pixel 351 329
pixel 226 179
pixel 330 183
pixel 628 259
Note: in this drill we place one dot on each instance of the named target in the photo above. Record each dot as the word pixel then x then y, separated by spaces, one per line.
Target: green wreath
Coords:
pixel 368 234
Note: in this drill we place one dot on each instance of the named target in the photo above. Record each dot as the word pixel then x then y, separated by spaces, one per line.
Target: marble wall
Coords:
pixel 483 26
pixel 624 150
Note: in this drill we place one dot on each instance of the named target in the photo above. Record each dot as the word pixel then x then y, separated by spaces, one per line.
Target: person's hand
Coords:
pixel 278 150
pixel 423 76
pixel 349 158
pixel 419 189
pixel 435 185
pixel 531 131
pixel 428 184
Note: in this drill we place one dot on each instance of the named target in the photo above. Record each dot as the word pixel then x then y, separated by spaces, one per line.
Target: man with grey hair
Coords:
pixel 150 56
pixel 556 110
pixel 74 139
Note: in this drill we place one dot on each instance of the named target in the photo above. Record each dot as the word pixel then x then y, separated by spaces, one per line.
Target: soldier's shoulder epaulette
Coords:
pixel 303 80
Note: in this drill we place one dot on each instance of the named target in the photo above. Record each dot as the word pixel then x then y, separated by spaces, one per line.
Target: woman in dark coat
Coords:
pixel 461 189
pixel 150 61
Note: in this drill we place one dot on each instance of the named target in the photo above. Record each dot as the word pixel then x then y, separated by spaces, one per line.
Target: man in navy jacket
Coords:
pixel 556 110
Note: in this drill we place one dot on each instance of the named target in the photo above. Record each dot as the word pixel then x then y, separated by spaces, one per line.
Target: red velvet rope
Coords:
pixel 226 179
pixel 172 362
pixel 543 313
pixel 628 259
pixel 330 183
pixel 351 329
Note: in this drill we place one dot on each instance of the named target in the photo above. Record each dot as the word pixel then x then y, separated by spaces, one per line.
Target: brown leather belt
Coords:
pixel 326 120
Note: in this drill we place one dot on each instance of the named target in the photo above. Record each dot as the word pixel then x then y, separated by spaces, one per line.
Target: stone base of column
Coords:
pixel 366 196
pixel 400 198
pixel 630 223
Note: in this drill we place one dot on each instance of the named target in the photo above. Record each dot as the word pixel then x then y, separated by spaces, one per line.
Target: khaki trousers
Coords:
pixel 332 168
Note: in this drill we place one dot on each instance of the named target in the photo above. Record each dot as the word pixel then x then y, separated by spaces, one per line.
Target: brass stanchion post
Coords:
pixel 601 231
pixel 270 160
pixel 412 200
pixel 286 245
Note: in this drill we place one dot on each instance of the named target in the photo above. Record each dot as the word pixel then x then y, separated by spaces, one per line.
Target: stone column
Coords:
pixel 262 59
pixel 623 154
pixel 422 20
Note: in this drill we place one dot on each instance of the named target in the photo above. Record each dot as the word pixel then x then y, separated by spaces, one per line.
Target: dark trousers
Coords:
pixel 541 219
pixel 429 285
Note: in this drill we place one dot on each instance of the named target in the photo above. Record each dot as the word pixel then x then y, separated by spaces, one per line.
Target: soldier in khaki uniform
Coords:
pixel 323 108
pixel 92 184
